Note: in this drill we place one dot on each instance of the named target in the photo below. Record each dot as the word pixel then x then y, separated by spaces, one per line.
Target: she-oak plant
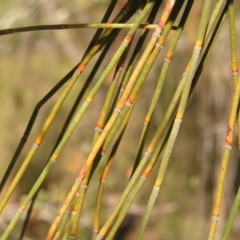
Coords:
pixel 123 93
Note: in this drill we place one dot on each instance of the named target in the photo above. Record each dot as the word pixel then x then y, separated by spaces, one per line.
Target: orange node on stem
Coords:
pixel 37 142
pixel 72 235
pixel 146 121
pixel 80 68
pixel 89 100
pixel 83 172
pixel 229 136
pixel 99 126
pixel 169 57
pixel 109 25
pixel 150 150
pixel 147 173
pixel 234 70
pixel 128 38
pixel 199 44
pixel 22 208
pixel 54 157
pixel 179 117
pixel 158 184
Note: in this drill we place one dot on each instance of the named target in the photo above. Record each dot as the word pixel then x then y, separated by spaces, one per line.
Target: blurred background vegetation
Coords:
pixel 32 63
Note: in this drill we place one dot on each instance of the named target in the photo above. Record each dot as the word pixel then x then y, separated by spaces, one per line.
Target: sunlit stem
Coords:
pixel 90 160
pixel 47 124
pixel 106 226
pixel 178 119
pixel 125 79
pixel 229 136
pixel 108 101
pixel 136 188
pixel 75 26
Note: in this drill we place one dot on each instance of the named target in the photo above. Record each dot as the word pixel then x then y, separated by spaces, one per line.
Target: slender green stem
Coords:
pixel 97 146
pixel 229 137
pixel 74 26
pixel 178 119
pixel 123 125
pixel 232 215
pixel 52 115
pixel 102 233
